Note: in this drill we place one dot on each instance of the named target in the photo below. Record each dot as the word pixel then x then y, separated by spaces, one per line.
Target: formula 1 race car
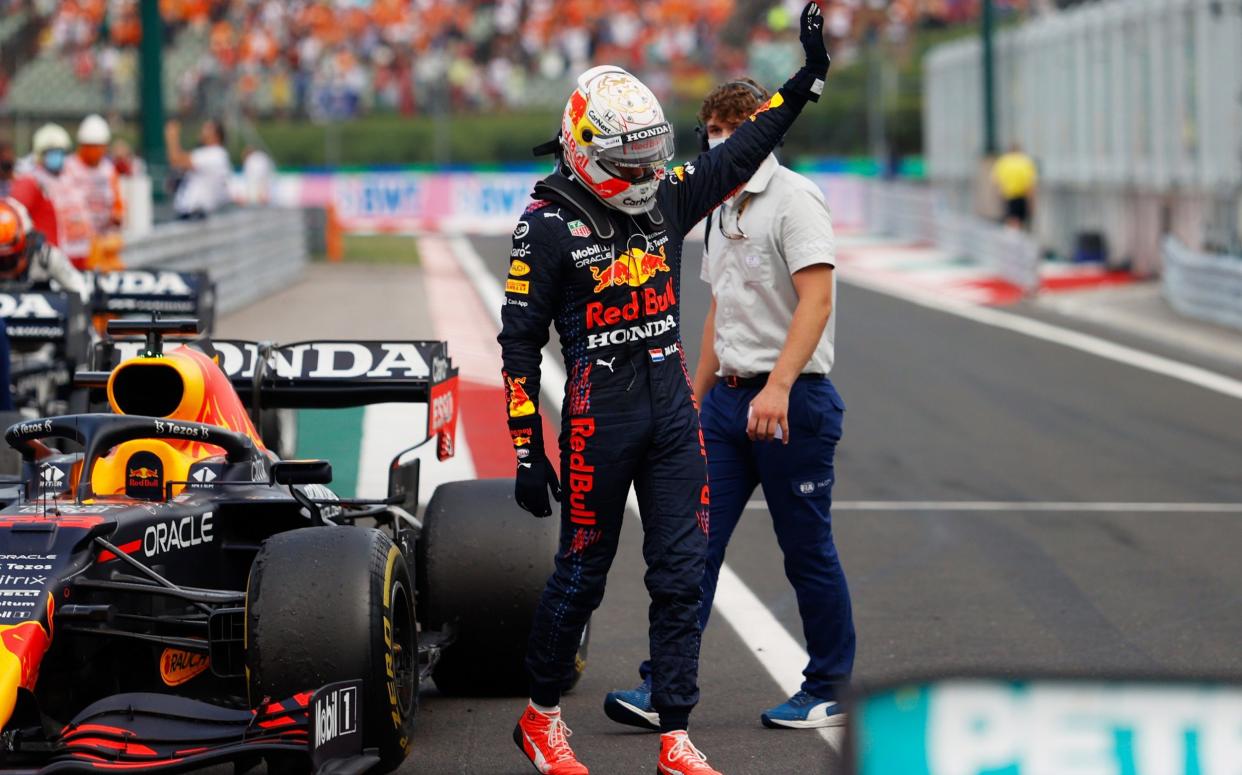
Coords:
pixel 49 338
pixel 52 332
pixel 174 595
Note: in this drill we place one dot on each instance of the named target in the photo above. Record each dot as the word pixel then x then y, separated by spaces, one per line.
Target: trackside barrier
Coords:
pixel 902 210
pixel 1009 252
pixel 910 211
pixel 249 253
pixel 1207 286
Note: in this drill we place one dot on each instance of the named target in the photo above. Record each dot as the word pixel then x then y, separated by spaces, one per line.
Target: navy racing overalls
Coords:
pixel 611 284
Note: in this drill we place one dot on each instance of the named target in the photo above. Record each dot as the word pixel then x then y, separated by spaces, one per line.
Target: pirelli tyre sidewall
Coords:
pixel 483 563
pixel 327 604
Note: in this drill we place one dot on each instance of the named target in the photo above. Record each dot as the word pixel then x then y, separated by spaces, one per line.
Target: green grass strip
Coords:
pixel 381 249
pixel 334 435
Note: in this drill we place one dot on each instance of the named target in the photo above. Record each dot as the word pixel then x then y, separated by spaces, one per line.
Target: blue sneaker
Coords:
pixel 804 711
pixel 633 707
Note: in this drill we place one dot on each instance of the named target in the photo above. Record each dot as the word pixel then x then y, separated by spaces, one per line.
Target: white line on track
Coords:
pixel 387 429
pixel 766 638
pixel 1030 506
pixel 1066 337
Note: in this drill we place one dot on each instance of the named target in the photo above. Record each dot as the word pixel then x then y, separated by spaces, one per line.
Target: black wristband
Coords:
pixel 807 83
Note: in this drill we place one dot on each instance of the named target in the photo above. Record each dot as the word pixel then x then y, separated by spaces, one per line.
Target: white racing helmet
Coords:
pixel 615 139
pixel 50 137
pixel 94 131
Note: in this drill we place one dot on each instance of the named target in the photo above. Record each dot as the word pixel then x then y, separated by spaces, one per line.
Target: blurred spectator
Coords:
pixel 205 187
pixel 57 206
pixel 336 58
pixel 126 162
pixel 92 172
pixel 258 174
pixel 8 163
pixel 1016 179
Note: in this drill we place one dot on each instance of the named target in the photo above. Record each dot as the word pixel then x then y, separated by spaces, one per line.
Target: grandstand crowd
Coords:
pixel 340 57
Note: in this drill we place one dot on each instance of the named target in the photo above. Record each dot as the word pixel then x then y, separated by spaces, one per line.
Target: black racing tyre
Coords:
pixel 483 563
pixel 327 604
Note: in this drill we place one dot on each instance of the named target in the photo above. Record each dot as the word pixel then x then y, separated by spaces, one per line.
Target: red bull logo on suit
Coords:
pixel 633 268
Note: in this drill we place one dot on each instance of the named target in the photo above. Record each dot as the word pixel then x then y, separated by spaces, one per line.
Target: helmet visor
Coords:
pixel 650 146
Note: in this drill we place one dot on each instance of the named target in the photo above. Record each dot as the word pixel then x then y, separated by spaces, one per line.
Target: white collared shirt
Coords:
pixel 788 228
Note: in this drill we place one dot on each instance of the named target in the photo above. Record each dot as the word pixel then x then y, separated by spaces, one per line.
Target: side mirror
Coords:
pixel 301 472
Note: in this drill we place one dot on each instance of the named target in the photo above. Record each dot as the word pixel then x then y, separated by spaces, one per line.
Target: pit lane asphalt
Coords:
pixel 939 409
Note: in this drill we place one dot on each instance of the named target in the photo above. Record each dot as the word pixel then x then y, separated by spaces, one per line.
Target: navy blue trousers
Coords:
pixel 635 426
pixel 797 481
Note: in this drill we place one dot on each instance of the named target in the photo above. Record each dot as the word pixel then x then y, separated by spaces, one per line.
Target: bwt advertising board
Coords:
pixel 468 202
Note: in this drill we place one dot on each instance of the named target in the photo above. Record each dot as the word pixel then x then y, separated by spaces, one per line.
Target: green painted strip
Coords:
pixel 335 435
pixel 933 265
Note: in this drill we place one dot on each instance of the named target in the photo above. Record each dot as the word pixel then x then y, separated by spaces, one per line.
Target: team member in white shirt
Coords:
pixel 769 413
pixel 207 169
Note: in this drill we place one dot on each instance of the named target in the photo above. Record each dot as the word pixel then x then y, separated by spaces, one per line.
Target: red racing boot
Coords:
pixel 678 756
pixel 544 739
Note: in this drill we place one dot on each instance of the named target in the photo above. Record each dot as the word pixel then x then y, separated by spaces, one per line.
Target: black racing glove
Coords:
pixel 809 81
pixel 811 34
pixel 535 474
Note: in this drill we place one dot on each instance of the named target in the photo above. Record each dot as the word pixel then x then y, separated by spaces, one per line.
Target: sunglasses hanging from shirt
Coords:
pixel 738 234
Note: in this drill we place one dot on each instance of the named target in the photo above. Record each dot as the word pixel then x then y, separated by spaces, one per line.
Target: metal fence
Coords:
pixel 915 212
pixel 1206 286
pixel 249 253
pixel 1131 109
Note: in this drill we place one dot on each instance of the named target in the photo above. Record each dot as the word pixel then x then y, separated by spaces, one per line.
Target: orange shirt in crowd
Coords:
pixel 100 184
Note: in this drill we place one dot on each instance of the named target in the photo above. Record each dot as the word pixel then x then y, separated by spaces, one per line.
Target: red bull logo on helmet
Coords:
pixel 633 268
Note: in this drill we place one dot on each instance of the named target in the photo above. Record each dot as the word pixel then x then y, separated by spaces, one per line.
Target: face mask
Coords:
pixel 712 142
pixel 92 154
pixel 54 160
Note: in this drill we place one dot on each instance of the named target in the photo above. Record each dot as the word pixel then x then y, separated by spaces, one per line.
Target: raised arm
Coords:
pixel 691 191
pixel 178 158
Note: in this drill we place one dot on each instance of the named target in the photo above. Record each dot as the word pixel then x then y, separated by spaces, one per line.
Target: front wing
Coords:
pixel 164 733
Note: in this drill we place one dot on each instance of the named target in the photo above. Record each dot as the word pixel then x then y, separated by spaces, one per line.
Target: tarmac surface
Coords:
pixel 953 431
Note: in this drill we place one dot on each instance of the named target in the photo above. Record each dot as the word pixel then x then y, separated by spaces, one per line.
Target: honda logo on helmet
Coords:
pixel 645 134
